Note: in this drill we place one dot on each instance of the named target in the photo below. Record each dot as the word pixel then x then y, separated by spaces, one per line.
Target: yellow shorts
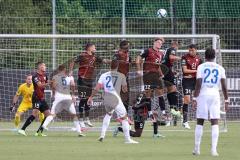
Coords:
pixel 23 107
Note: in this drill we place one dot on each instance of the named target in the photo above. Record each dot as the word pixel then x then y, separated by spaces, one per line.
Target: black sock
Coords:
pixel 120 129
pixel 155 128
pixel 172 98
pixel 28 122
pixel 126 106
pixel 41 128
pixel 81 107
pixel 86 108
pixel 148 100
pixel 185 113
pixel 161 103
pixel 132 133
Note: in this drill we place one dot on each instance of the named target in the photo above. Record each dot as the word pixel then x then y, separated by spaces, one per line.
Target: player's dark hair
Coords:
pixel 174 43
pixel 61 67
pixel 123 44
pixel 28 75
pixel 39 63
pixel 88 45
pixel 114 64
pixel 192 46
pixel 210 54
pixel 159 38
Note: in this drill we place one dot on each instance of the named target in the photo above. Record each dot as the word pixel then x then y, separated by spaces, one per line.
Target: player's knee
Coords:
pixel 18 114
pixel 200 122
pixel 214 122
pixel 86 108
pixel 109 113
pixel 172 89
pixel 35 112
pixel 138 133
pixel 159 92
pixel 187 99
pixel 148 93
pixel 75 118
pixel 124 117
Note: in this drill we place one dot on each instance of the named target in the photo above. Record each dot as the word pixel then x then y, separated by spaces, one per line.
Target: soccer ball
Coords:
pixel 162 13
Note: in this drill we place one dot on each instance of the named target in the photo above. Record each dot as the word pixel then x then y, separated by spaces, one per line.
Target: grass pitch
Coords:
pixel 59 145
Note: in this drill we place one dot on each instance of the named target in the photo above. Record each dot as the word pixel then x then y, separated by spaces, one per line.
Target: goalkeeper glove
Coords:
pixel 12 108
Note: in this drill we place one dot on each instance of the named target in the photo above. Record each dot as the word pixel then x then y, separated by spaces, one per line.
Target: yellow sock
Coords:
pixel 41 117
pixel 17 120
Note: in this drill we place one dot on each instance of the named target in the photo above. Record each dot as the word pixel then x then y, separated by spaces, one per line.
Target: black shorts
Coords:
pixel 152 80
pixel 85 87
pixel 139 124
pixel 41 105
pixel 188 85
pixel 169 79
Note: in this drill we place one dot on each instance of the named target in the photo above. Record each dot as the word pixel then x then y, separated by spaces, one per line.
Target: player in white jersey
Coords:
pixel 207 99
pixel 112 83
pixel 63 87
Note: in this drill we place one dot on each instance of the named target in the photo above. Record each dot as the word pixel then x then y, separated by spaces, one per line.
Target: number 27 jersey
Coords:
pixel 211 74
pixel 112 81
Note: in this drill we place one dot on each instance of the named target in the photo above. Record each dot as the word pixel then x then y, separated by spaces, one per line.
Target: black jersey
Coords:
pixel 140 108
pixel 166 59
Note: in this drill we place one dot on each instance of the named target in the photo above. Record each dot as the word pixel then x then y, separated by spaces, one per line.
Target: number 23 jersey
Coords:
pixel 211 74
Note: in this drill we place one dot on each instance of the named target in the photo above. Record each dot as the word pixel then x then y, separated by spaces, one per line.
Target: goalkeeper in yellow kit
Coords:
pixel 25 90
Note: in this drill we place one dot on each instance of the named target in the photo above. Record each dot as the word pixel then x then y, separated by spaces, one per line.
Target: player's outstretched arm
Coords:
pixel 174 58
pixel 139 64
pixel 94 92
pixel 225 93
pixel 15 99
pixel 53 87
pixel 196 92
pixel 107 61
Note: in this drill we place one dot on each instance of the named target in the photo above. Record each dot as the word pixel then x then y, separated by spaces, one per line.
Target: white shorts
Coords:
pixel 63 103
pixel 114 103
pixel 120 110
pixel 208 105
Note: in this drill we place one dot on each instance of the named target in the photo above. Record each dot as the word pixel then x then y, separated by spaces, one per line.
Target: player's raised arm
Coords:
pixel 124 85
pixel 139 61
pixel 53 87
pixel 172 55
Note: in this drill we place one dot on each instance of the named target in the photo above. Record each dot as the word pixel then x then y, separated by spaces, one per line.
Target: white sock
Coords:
pixel 198 136
pixel 215 134
pixel 106 121
pixel 77 126
pixel 47 121
pixel 125 127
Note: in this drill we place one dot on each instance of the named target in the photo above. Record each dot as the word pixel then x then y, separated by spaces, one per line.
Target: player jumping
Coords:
pixel 152 78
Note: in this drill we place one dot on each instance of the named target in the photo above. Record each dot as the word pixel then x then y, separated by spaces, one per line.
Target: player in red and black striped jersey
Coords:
pixel 169 78
pixel 40 81
pixel 152 76
pixel 87 62
pixel 190 63
pixel 124 59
